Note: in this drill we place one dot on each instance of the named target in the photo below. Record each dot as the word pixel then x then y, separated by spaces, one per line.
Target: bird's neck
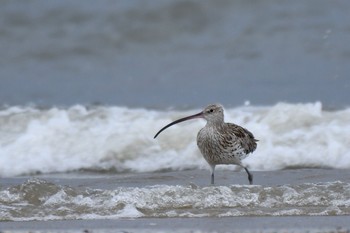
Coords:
pixel 215 124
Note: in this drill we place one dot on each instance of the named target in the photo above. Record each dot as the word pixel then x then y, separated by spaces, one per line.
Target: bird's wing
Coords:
pixel 241 136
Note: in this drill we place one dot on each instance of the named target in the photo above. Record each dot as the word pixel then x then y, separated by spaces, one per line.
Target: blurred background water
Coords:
pixel 174 53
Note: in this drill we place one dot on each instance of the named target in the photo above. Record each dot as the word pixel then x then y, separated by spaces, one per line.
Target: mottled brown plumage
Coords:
pixel 220 142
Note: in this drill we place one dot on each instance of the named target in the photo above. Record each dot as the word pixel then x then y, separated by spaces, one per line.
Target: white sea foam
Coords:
pixel 60 140
pixel 38 199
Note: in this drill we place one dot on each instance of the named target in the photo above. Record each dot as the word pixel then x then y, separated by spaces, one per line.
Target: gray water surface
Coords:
pixel 174 53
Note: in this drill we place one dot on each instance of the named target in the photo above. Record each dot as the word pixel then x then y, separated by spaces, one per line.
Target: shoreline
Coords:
pixel 224 224
pixel 199 177
pixel 85 180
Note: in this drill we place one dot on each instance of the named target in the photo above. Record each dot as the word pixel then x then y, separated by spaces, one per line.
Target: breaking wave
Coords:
pixel 120 139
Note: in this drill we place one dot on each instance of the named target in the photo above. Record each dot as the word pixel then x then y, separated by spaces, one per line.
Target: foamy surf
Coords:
pixel 37 199
pixel 121 139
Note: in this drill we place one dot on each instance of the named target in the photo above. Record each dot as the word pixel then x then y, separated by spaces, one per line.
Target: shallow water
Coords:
pixel 310 192
pixel 314 224
pixel 317 199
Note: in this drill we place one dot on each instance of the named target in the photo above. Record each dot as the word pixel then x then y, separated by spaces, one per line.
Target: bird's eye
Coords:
pixel 211 110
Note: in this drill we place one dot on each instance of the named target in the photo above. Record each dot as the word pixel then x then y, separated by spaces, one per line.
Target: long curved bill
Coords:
pixel 198 115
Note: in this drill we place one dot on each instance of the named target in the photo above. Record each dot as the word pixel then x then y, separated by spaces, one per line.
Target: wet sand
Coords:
pixel 189 177
pixel 235 224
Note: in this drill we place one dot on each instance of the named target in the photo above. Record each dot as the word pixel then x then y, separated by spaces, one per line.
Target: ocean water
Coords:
pixel 120 139
pixel 105 141
pixel 85 85
pixel 38 199
pixel 171 53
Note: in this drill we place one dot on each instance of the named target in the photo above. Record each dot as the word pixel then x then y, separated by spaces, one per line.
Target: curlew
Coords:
pixel 220 142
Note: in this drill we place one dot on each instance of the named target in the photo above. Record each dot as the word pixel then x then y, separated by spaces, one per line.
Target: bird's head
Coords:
pixel 214 113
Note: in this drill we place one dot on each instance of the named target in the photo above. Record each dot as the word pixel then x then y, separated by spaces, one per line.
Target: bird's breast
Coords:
pixel 208 141
pixel 216 148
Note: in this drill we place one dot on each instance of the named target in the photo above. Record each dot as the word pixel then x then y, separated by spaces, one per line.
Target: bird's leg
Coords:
pixel 250 176
pixel 212 168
